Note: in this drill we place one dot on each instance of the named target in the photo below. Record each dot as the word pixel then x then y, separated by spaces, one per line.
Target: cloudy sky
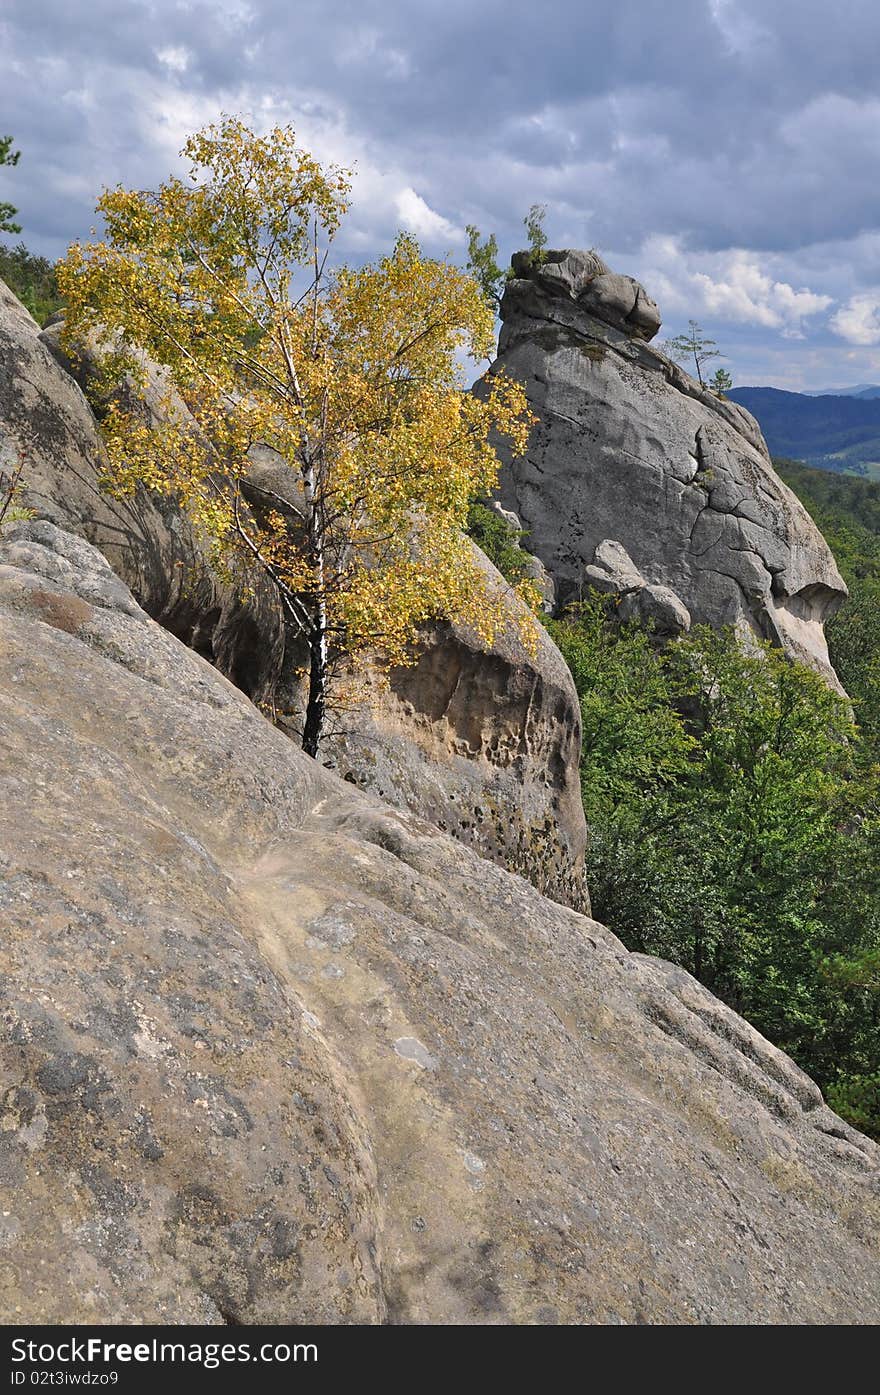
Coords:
pixel 726 152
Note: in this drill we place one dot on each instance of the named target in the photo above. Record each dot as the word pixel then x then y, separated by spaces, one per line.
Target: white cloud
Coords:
pixel 858 321
pixel 419 218
pixel 381 200
pixel 738 29
pixel 366 47
pixel 177 59
pixel 729 285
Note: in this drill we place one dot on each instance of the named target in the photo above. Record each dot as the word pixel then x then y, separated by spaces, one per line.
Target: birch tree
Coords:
pixel 354 375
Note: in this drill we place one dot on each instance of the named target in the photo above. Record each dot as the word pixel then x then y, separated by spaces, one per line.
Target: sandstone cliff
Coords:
pixel 481 739
pixel 629 450
pixel 272 1051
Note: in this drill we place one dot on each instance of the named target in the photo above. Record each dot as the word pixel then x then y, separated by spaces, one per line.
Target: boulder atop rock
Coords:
pixel 628 447
pixel 584 277
pixel 614 572
pixel 566 273
pixel 275 1052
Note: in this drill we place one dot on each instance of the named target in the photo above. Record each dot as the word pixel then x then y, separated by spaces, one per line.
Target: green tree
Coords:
pixel 354 378
pixel 735 829
pixel 847 511
pixel 692 347
pixel 482 263
pixel 10 485
pixel 534 226
pixel 857 1099
pixel 482 260
pixel 499 541
pixel 854 649
pixel 32 279
pixel 8 156
pixel 720 382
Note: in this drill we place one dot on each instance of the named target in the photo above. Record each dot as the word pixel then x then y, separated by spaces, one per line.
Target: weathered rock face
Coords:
pixel 273 1052
pixel 46 421
pixel 482 740
pixel 631 450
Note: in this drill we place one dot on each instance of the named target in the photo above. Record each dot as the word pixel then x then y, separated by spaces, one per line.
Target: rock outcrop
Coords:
pixel 272 1051
pixel 629 449
pixel 46 422
pixel 482 740
pixel 613 572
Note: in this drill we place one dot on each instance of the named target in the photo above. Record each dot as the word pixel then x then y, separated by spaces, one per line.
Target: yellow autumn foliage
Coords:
pixel 354 375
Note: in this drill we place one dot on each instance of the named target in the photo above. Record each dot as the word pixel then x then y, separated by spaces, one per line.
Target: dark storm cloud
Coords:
pixel 712 124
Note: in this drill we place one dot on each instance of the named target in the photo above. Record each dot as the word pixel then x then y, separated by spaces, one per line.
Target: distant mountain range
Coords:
pixel 860 390
pixel 830 431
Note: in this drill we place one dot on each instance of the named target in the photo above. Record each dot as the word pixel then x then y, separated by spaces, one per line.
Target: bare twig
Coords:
pixel 11 489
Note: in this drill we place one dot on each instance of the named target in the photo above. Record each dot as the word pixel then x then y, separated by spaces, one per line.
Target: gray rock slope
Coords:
pixel 272 1051
pixel 630 450
pixel 482 739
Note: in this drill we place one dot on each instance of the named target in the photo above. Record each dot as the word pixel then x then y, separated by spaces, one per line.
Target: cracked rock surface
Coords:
pixel 629 448
pixel 272 1051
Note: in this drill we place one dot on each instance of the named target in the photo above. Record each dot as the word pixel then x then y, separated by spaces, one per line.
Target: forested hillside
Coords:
pixel 734 805
pixel 32 279
pixel 846 509
pixel 829 432
pixel 848 512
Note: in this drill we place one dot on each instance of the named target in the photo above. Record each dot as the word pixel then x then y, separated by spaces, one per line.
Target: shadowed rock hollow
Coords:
pixel 274 1052
pixel 630 450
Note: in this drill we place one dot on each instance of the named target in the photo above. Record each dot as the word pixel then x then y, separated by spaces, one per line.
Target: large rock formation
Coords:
pixel 46 423
pixel 630 450
pixel 481 739
pixel 274 1052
